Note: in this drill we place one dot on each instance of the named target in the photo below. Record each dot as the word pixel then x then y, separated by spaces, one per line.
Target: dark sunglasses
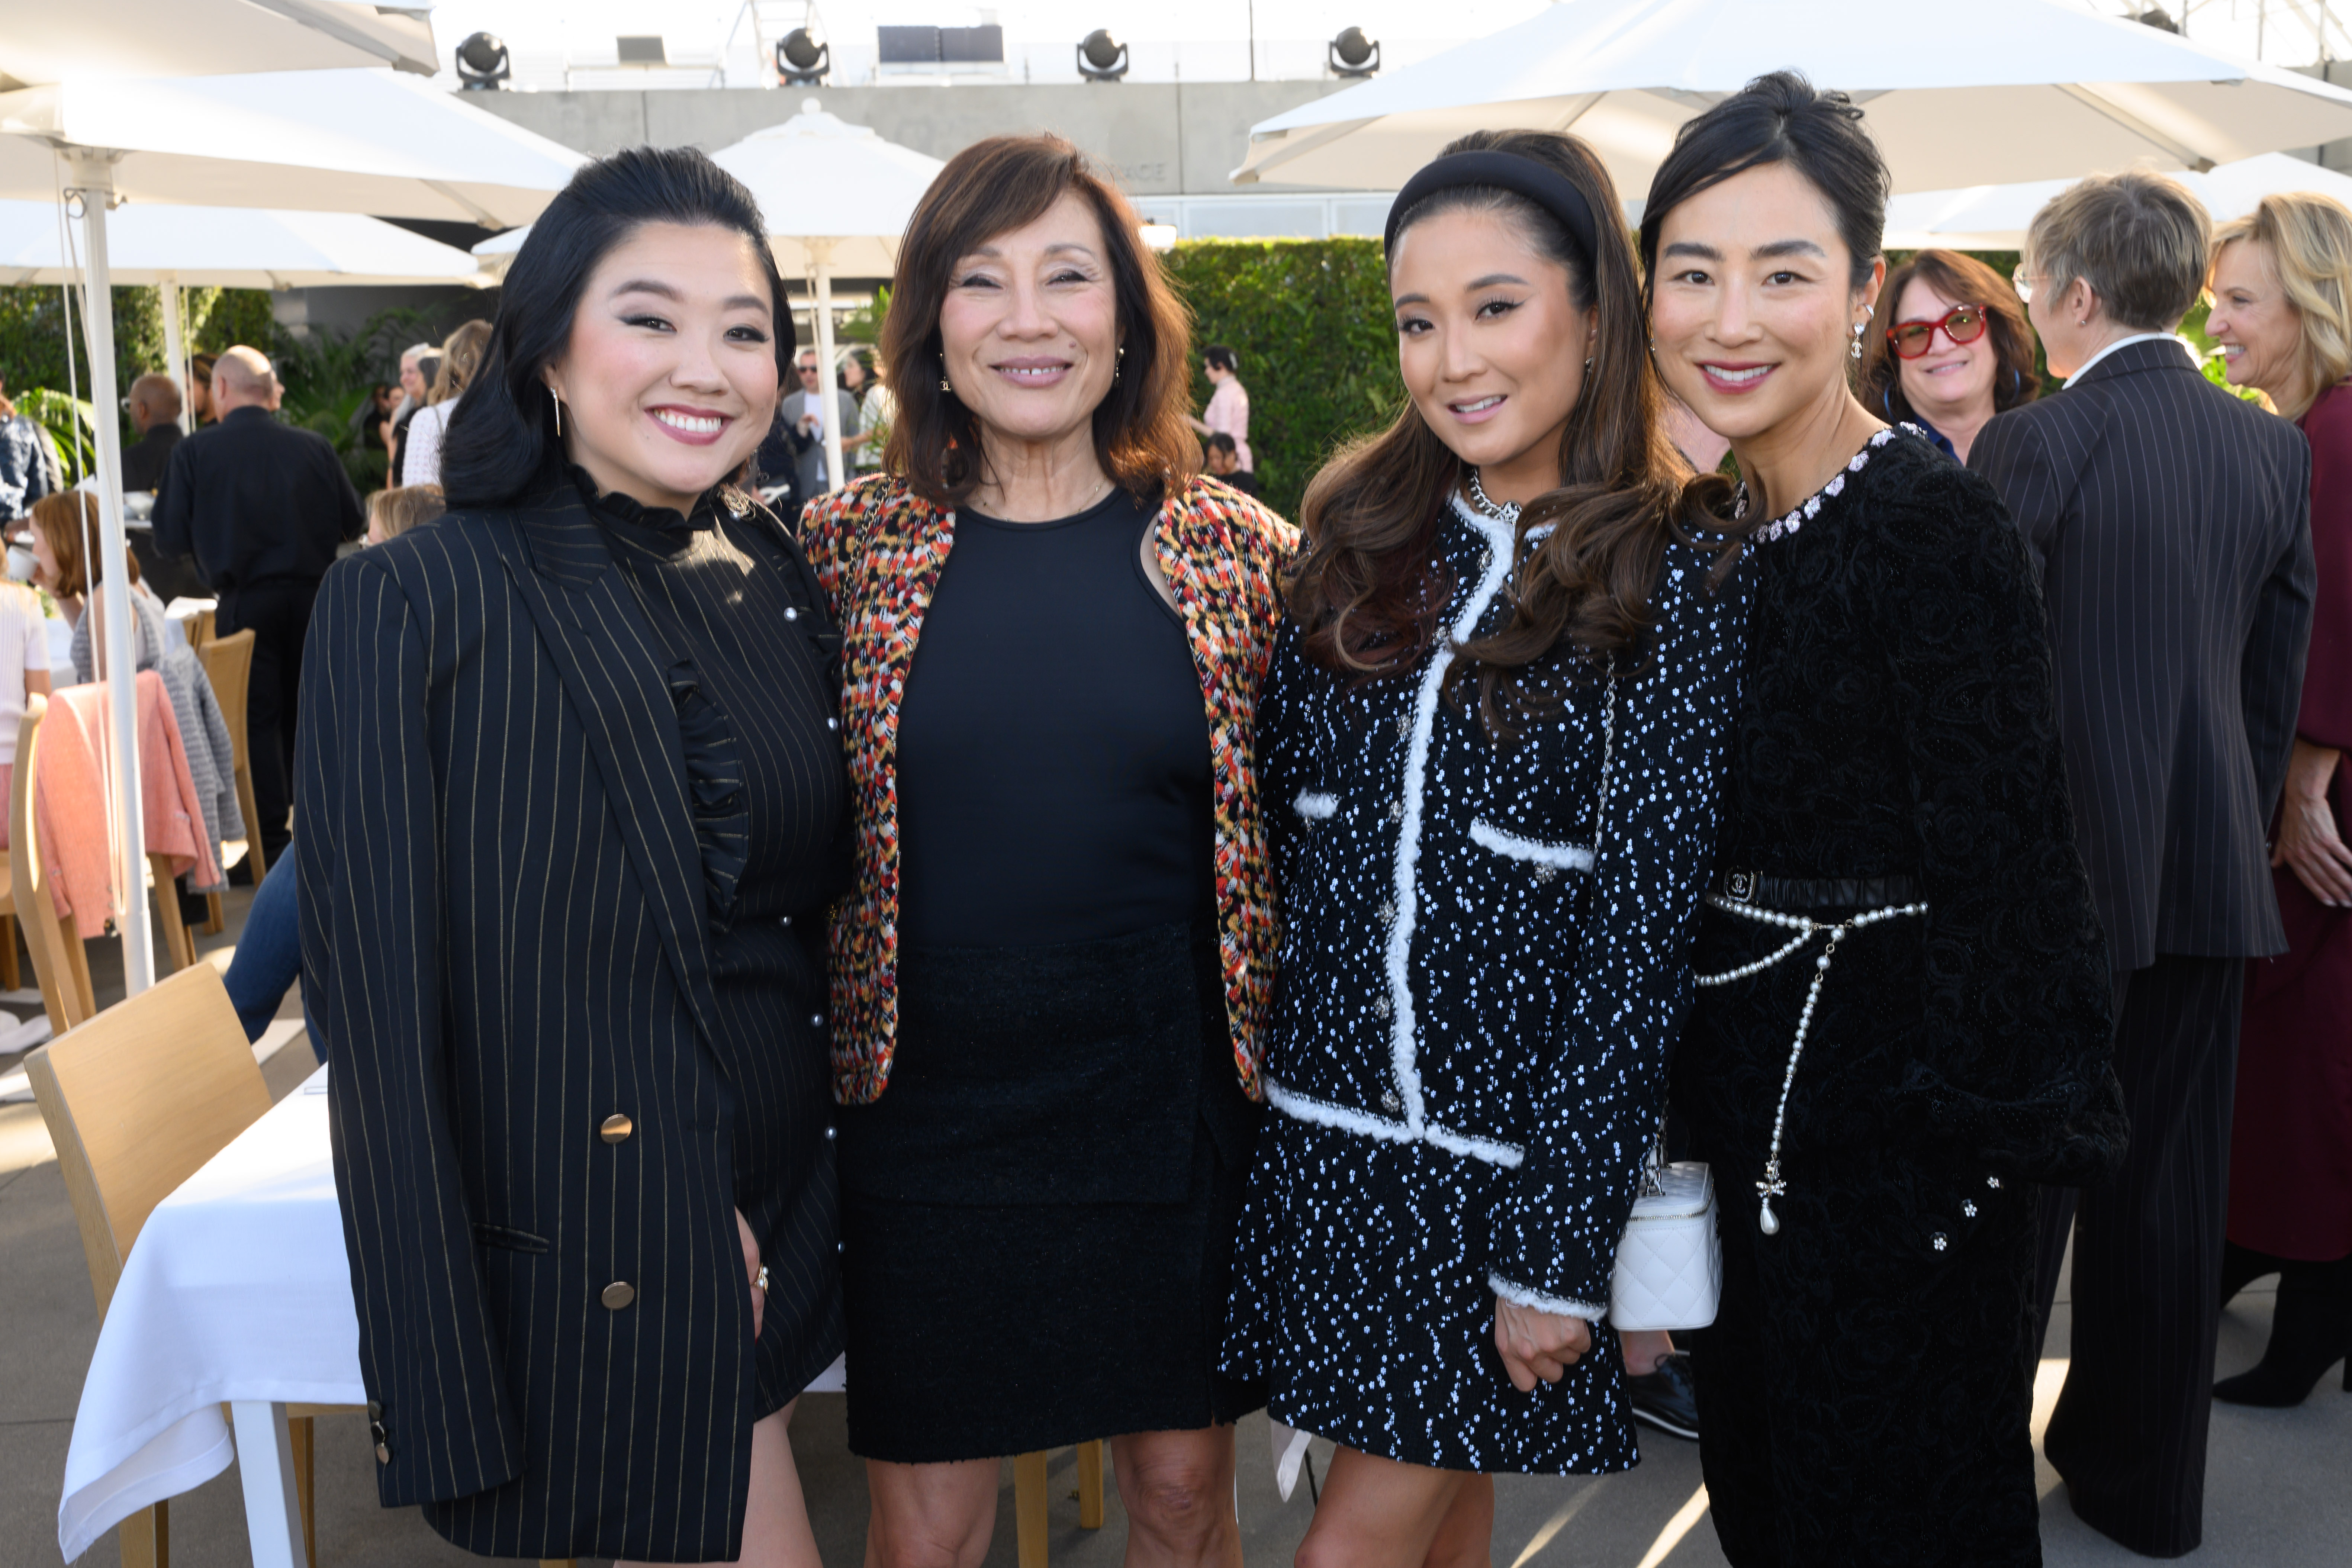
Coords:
pixel 1962 323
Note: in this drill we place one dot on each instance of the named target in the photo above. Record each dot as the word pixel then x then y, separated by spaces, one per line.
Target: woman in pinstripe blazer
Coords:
pixel 570 807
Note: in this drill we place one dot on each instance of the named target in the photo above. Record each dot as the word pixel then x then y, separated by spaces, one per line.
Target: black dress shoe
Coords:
pixel 1663 1397
pixel 2311 1330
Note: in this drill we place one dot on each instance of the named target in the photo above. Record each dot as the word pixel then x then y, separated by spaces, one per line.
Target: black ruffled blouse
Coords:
pixel 751 662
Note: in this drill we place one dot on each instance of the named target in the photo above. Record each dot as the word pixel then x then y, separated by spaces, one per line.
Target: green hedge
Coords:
pixel 1310 321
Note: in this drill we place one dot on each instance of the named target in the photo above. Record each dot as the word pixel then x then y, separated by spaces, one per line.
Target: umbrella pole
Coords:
pixel 93 178
pixel 175 357
pixel 821 252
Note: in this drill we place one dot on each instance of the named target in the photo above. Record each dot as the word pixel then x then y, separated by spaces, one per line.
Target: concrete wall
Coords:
pixel 1164 139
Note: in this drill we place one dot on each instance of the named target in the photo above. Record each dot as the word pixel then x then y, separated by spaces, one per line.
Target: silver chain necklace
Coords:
pixel 1478 498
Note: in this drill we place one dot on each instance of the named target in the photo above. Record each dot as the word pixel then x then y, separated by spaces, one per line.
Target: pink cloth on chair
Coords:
pixel 70 807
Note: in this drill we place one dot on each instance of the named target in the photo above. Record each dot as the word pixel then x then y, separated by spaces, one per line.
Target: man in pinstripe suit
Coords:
pixel 2171 524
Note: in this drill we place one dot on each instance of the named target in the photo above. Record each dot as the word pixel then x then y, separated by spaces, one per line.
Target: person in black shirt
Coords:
pixel 155 415
pixel 1225 463
pixel 155 404
pixel 261 506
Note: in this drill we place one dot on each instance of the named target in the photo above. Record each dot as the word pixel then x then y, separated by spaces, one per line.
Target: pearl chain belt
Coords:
pixel 1806 928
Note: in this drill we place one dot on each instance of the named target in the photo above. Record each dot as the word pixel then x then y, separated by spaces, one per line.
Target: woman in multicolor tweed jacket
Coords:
pixel 1050 977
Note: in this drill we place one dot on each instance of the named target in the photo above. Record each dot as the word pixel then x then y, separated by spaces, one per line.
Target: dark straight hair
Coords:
pixel 1369 589
pixel 1779 118
pixel 503 443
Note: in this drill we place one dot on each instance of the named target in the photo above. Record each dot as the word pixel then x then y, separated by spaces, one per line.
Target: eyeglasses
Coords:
pixel 808 370
pixel 1962 323
pixel 2023 283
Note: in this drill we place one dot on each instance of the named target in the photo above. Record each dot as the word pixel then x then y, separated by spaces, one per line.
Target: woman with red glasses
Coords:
pixel 1955 351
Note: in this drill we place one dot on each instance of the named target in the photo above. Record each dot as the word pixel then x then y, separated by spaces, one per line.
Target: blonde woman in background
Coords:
pixel 421 464
pixel 2282 289
pixel 393 512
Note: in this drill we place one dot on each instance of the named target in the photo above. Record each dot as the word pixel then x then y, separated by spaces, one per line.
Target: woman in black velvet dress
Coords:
pixel 1902 1020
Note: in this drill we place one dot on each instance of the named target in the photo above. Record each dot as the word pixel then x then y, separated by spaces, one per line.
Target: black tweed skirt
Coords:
pixel 1039 1214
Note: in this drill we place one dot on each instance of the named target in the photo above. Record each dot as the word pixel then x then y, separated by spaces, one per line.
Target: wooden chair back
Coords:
pixel 228 664
pixel 137 1099
pixel 60 967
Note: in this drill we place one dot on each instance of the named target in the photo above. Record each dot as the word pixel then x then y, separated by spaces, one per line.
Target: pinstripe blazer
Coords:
pixel 2172 526
pixel 504 943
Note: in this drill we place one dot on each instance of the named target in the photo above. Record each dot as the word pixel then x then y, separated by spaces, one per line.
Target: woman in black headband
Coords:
pixel 1491 738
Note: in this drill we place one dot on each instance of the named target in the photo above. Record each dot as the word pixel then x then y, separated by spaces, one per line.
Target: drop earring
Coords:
pixel 1119 364
pixel 1858 328
pixel 559 412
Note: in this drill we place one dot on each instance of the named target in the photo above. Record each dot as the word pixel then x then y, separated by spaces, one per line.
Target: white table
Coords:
pixel 238 1292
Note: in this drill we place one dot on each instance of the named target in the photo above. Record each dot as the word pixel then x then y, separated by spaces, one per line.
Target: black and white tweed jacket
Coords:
pixel 1479 952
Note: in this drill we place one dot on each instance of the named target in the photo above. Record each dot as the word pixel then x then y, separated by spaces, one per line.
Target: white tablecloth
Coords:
pixel 239 1289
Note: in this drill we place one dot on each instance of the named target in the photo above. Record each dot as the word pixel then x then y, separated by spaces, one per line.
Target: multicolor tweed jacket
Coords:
pixel 877 549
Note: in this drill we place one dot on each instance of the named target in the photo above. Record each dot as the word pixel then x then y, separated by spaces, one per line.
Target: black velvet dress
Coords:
pixel 1865 1390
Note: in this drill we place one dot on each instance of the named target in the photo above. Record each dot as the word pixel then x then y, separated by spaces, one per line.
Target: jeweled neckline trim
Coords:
pixel 1781 526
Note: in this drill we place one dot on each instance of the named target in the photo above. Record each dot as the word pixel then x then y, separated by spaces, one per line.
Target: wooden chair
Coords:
pixel 1029 1498
pixel 60 967
pixel 136 1100
pixel 228 664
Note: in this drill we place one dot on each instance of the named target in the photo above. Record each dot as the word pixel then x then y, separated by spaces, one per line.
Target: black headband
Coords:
pixel 1539 183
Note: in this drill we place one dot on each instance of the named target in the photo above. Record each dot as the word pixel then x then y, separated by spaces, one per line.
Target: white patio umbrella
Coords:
pixel 1995 217
pixel 836 198
pixel 90 40
pixel 1972 92
pixel 334 140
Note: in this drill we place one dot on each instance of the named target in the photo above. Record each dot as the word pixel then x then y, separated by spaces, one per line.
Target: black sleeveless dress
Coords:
pixel 1061 1158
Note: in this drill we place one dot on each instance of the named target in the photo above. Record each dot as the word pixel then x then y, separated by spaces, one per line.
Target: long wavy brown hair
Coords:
pixel 1142 436
pixel 1369 589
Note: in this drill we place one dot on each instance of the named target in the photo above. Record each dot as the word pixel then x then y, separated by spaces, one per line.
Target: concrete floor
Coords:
pixel 2276 1489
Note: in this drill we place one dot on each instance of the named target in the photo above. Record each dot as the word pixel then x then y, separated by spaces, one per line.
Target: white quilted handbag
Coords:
pixel 1670 1265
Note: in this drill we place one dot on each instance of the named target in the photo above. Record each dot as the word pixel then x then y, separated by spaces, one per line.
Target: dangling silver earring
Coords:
pixel 1858 328
pixel 559 412
pixel 1588 364
pixel 944 387
pixel 1119 364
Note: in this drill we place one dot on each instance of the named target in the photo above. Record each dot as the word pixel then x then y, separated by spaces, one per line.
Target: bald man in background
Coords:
pixel 155 415
pixel 155 404
pixel 261 506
